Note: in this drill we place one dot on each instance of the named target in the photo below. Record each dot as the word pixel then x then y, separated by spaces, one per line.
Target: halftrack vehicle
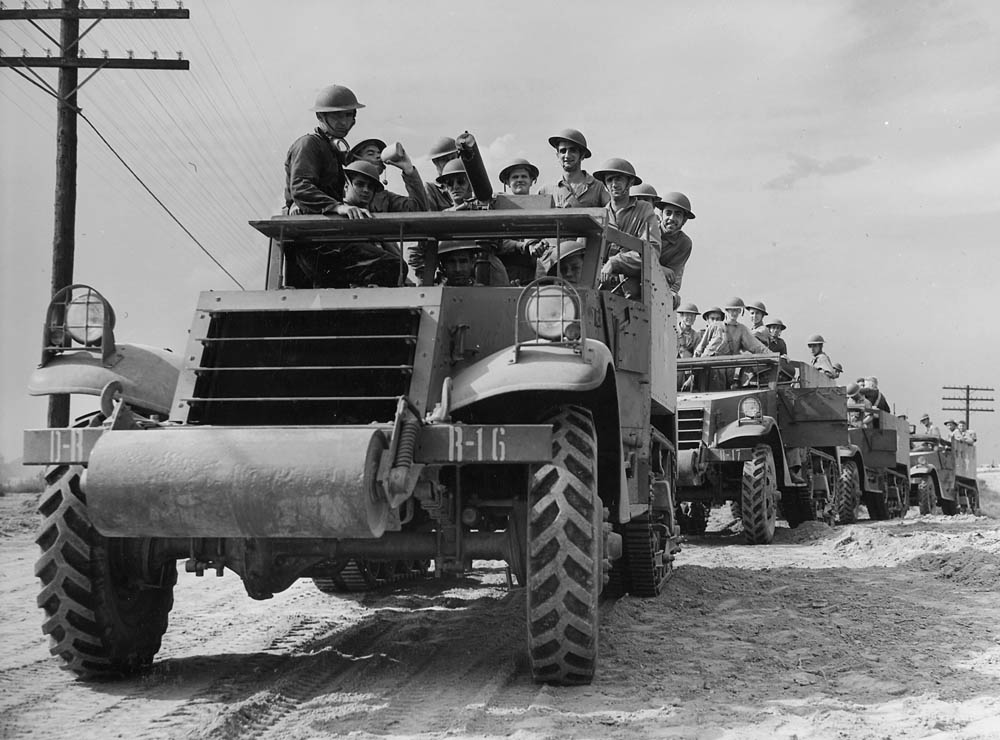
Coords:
pixel 874 467
pixel 943 474
pixel 745 422
pixel 355 436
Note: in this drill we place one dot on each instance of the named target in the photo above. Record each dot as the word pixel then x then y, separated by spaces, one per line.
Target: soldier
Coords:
pixel 577 188
pixel 314 165
pixel 929 429
pixel 385 201
pixel 455 181
pixel 820 359
pixel 953 432
pixel 687 337
pixel 839 369
pixel 756 311
pixel 644 191
pixel 457 262
pixel 859 408
pixel 967 434
pixel 870 390
pixel 631 216
pixel 569 261
pixel 674 211
pixel 443 151
pixel 730 337
pixel 773 341
pixel 519 256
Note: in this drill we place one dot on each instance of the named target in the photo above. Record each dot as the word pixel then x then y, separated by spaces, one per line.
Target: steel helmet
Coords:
pixel 570 247
pixel 454 167
pixel 573 137
pixel 516 163
pixel 713 309
pixel 951 422
pixel 618 166
pixel 758 306
pixel 853 389
pixel 676 199
pixel 927 417
pixel 775 322
pixel 838 367
pixel 443 147
pixel 455 246
pixel 334 98
pixel 365 169
pixel 735 303
pixel 816 339
pixel 688 308
pixel 644 191
pixel 377 142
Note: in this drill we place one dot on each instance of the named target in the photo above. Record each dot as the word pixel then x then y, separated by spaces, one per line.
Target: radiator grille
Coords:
pixel 304 367
pixel 690 428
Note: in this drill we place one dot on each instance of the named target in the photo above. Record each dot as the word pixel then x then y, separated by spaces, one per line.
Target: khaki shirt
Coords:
pixel 636 218
pixel 591 193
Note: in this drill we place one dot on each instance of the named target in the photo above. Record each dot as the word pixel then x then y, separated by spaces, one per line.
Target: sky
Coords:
pixel 842 158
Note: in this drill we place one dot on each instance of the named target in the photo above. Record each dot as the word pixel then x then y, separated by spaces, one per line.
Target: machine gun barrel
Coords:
pixel 468 150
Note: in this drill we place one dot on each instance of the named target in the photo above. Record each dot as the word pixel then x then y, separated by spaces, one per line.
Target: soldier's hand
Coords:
pixel 352 212
pixel 606 272
pixel 395 155
pixel 537 248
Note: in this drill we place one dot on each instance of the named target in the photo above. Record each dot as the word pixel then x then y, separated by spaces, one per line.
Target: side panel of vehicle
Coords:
pixel 812 417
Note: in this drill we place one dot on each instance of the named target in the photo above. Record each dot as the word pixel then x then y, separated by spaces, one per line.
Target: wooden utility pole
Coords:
pixel 69 63
pixel 968 400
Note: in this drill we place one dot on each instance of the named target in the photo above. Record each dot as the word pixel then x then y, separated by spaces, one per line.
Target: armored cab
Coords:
pixel 354 435
pixel 761 432
pixel 943 474
pixel 874 466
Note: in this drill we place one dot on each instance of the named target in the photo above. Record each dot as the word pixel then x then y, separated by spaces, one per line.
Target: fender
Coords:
pixel 931 472
pixel 735 434
pixel 148 375
pixel 538 368
pixel 852 453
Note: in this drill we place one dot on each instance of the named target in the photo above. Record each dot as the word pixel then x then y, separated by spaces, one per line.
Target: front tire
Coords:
pixel 759 497
pixel 848 493
pixel 564 554
pixel 102 619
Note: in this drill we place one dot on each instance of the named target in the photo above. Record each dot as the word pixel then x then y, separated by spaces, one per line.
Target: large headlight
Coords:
pixel 750 408
pixel 85 317
pixel 551 312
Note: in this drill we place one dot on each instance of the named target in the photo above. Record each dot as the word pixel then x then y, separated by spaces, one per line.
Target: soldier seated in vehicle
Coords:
pixel 859 409
pixel 870 390
pixel 568 260
pixel 384 200
pixel 461 263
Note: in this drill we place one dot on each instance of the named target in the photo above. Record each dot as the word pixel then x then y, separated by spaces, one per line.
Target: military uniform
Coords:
pixel 675 250
pixel 591 193
pixel 314 173
pixel 687 340
pixel 415 200
pixel 728 338
pixel 637 218
pixel 822 363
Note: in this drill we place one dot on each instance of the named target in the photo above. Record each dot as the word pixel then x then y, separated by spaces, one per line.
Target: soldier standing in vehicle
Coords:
pixel 576 188
pixel 385 201
pixel 730 337
pixel 870 390
pixel 930 430
pixel 644 191
pixel 674 211
pixel 859 408
pixel 773 340
pixel 314 165
pixel 519 256
pixel 953 432
pixel 820 359
pixel 687 337
pixel 443 151
pixel 967 434
pixel 630 216
pixel 756 311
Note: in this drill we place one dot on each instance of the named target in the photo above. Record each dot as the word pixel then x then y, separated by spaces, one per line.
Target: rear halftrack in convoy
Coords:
pixel 355 436
pixel 943 474
pixel 873 467
pixel 763 433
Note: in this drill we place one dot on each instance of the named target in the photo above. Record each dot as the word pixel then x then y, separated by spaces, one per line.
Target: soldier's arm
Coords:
pixel 750 343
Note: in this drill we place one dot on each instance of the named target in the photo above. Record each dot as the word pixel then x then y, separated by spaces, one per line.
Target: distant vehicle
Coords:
pixel 874 468
pixel 354 435
pixel 746 421
pixel 943 474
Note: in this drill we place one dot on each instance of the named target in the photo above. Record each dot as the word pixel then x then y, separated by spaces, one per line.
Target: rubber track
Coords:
pixel 758 526
pixel 848 493
pixel 563 554
pixel 85 629
pixel 359 575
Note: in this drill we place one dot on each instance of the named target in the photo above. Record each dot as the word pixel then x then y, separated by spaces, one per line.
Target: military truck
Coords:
pixel 355 436
pixel 874 466
pixel 761 432
pixel 943 474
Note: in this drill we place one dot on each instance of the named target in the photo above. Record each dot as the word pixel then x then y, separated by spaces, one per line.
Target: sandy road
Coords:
pixel 877 630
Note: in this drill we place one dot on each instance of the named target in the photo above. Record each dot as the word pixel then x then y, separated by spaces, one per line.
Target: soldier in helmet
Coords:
pixel 687 337
pixel 773 341
pixel 965 433
pixel 631 216
pixel 674 210
pixel 644 191
pixel 730 337
pixel 443 152
pixel 930 429
pixel 820 359
pixel 859 408
pixel 385 201
pixel 519 256
pixel 953 432
pixel 314 165
pixel 457 262
pixel 756 311
pixel 871 391
pixel 568 260
pixel 576 188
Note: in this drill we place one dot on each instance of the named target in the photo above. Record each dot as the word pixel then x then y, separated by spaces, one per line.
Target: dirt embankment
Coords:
pixel 876 630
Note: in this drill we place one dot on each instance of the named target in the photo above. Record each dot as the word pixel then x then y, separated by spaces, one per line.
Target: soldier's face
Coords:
pixel 370 153
pixel 672 219
pixel 755 316
pixel 458 188
pixel 519 181
pixel 714 318
pixel 571 268
pixel 569 156
pixel 359 191
pixel 457 266
pixel 961 426
pixel 734 313
pixel 815 349
pixel 774 330
pixel 339 123
pixel 687 319
pixel 618 185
